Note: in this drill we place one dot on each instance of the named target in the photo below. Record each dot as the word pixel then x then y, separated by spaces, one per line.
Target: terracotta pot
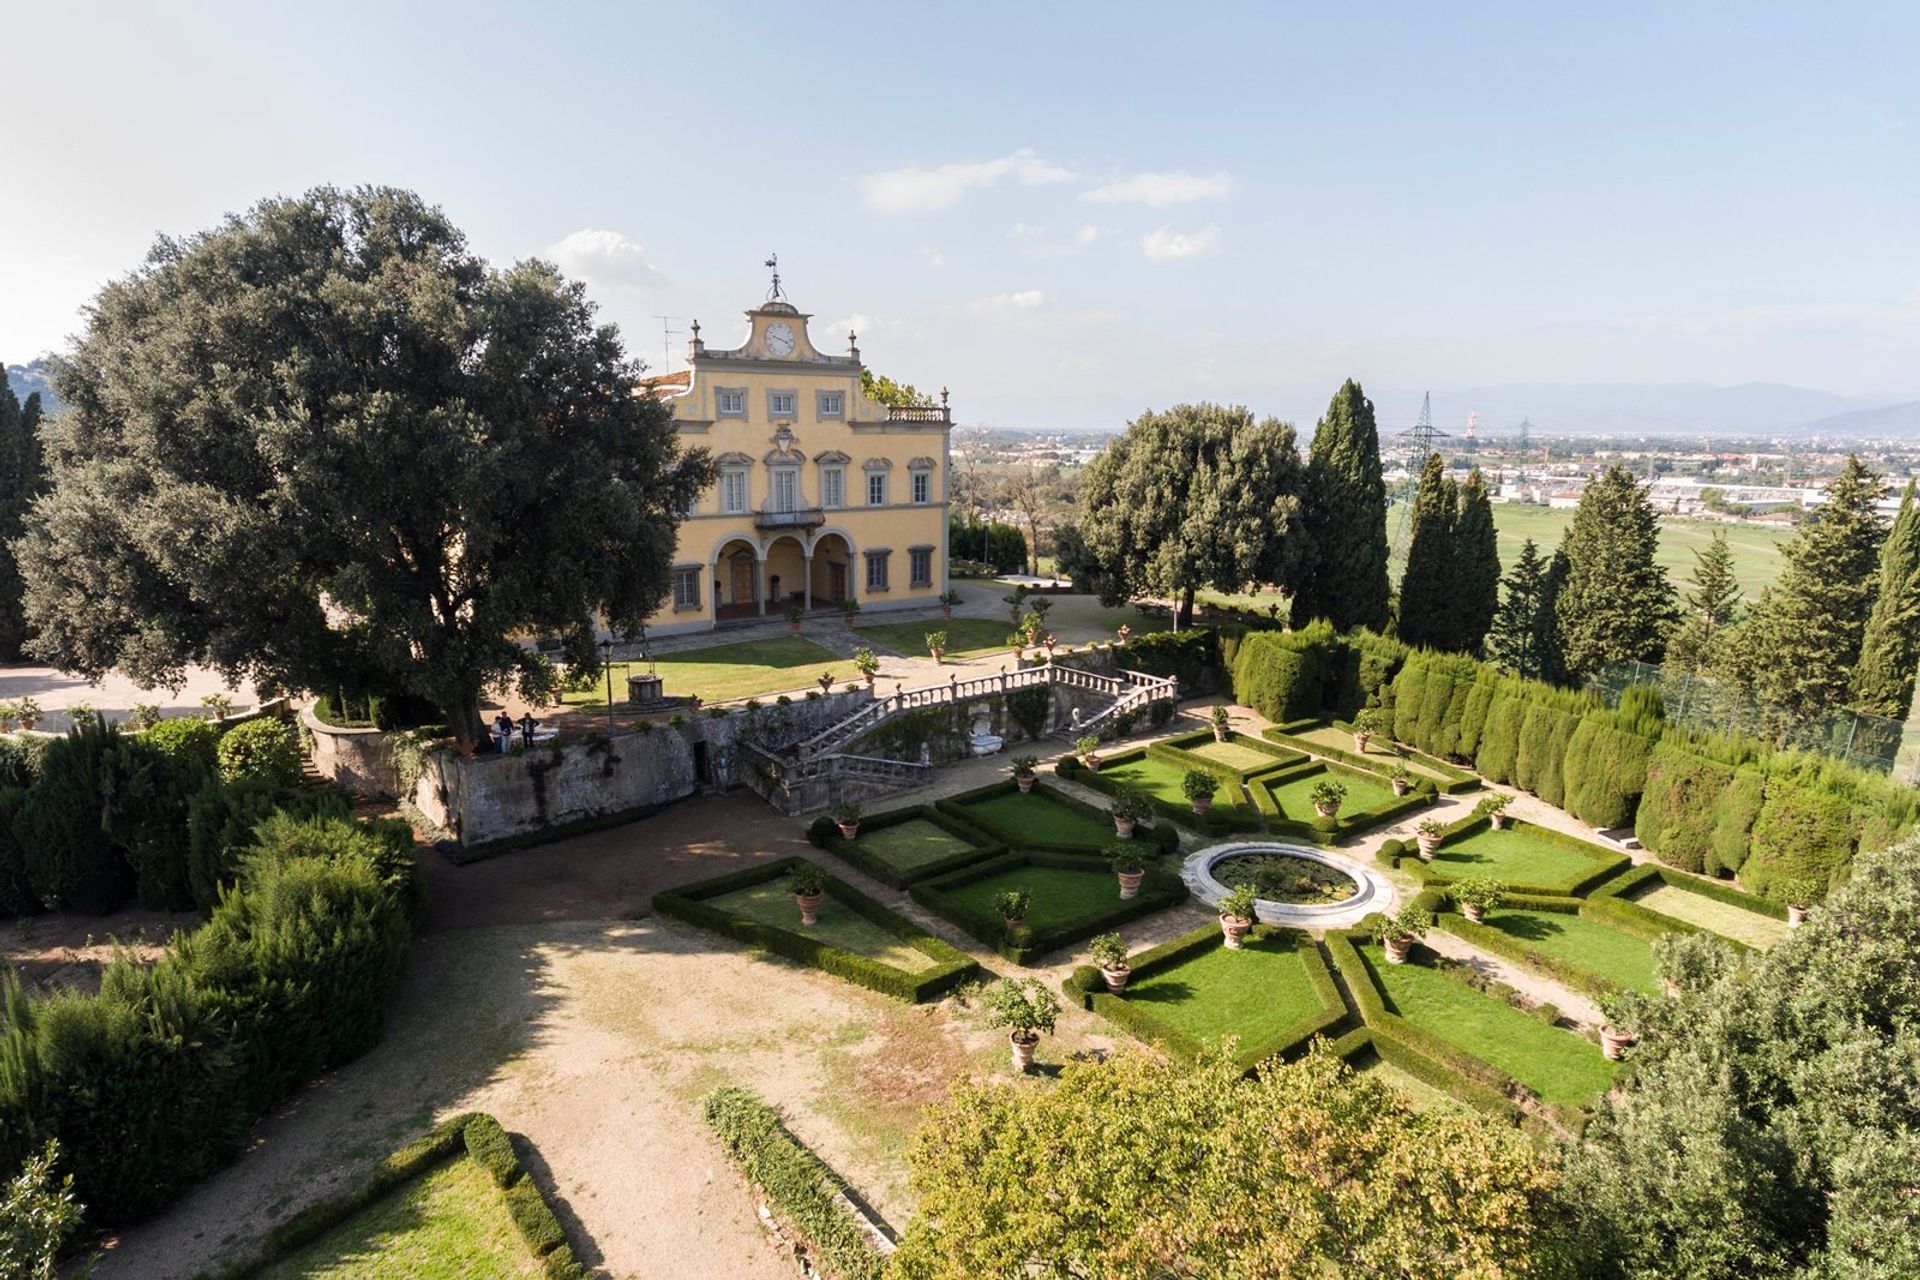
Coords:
pixel 1023 1047
pixel 1327 810
pixel 29 724
pixel 1671 987
pixel 1013 922
pixel 1398 949
pixel 1234 929
pixel 1427 845
pixel 1116 979
pixel 848 829
pixel 796 628
pixel 1360 741
pixel 1796 916
pixel 6 726
pixel 938 654
pixel 1123 827
pixel 946 611
pixel 1474 912
pixel 809 906
pixel 849 621
pixel 1130 882
pixel 1202 803
pixel 1219 734
pixel 871 677
pixel 1401 787
pixel 1092 763
pixel 1024 781
pixel 1498 821
pixel 1614 1044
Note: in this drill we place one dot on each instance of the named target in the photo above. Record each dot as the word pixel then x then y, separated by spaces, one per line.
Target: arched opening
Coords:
pixel 736 581
pixel 786 574
pixel 832 570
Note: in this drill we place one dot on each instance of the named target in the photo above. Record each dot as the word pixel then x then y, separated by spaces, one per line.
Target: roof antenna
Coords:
pixel 773 264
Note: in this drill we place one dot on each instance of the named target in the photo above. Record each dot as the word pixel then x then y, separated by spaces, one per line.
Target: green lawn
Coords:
pixel 1707 913
pixel 911 844
pixel 1582 941
pixel 1513 856
pixel 1418 1093
pixel 450 1223
pixel 1295 797
pixel 1037 817
pixel 747 669
pixel 1378 753
pixel 1162 779
pixel 1062 896
pixel 1559 1067
pixel 966 637
pixel 1254 993
pixel 772 903
pixel 1235 754
pixel 1756 548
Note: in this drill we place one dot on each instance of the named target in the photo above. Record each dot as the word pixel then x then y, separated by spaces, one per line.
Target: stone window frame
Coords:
pixel 774 413
pixel 774 471
pixel 914 558
pixel 688 602
pixel 837 412
pixel 720 395
pixel 878 558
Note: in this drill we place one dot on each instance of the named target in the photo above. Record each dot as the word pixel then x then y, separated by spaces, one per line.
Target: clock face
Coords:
pixel 780 339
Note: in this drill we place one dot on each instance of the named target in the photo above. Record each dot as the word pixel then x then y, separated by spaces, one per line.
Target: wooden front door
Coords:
pixel 742 580
pixel 836 581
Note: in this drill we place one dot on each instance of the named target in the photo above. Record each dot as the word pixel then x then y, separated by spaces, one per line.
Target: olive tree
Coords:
pixel 325 443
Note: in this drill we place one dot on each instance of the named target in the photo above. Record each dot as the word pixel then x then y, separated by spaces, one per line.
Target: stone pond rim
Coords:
pixel 1372 890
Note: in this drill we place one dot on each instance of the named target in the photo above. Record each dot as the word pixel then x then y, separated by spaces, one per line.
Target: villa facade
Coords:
pixel 823 494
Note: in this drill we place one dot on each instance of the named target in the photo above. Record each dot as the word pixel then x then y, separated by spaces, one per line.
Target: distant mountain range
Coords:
pixel 35 375
pixel 1671 409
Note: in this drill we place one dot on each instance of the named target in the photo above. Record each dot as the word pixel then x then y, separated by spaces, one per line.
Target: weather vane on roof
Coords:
pixel 773 264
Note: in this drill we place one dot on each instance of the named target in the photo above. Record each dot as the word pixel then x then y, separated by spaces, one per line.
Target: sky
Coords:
pixel 1066 213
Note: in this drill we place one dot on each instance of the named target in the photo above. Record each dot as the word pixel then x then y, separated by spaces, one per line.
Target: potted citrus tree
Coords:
pixel 846 815
pixel 1427 835
pixel 795 616
pixel 1478 896
pixel 1199 786
pixel 1237 914
pixel 145 715
pixel 948 599
pixel 1026 1009
pixel 1123 632
pixel 29 711
pixel 9 712
pixel 1400 780
pixel 1013 905
pixel 937 644
pixel 1127 866
pixel 1088 749
pixel 1130 809
pixel 809 885
pixel 1365 725
pixel 1328 796
pixel 849 610
pixel 1797 895
pixel 1495 807
pixel 1398 932
pixel 1023 767
pixel 1221 725
pixel 218 703
pixel 1620 1013
pixel 867 663
pixel 1110 953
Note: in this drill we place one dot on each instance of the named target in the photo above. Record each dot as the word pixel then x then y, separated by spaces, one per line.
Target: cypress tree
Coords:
pixel 1890 649
pixel 1426 588
pixel 1712 601
pixel 1525 616
pixel 1805 633
pixel 1616 604
pixel 1343 575
pixel 1476 566
pixel 21 476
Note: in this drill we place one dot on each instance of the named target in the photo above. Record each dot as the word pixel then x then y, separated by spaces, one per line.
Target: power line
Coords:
pixel 1420 436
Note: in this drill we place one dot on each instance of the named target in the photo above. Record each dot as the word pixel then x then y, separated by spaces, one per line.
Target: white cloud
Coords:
pixel 1023 300
pixel 930 190
pixel 605 258
pixel 1159 190
pixel 1166 245
pixel 1034 241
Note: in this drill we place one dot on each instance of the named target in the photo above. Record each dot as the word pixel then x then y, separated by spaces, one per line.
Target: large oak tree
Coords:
pixel 325 443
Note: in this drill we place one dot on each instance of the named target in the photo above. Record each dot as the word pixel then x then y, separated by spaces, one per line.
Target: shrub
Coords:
pixel 1681 806
pixel 1803 832
pixel 188 739
pixel 1198 784
pixel 821 830
pixel 37 1213
pixel 492 1150
pixel 1604 771
pixel 1191 657
pixel 221 819
pixel 1737 811
pixel 1028 708
pixel 72 857
pixel 263 750
pixel 1500 740
pixel 1282 675
pixel 1022 1005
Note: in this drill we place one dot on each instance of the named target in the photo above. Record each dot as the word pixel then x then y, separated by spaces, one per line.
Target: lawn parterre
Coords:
pixel 744 669
pixel 1524 857
pixel 1046 819
pixel 1333 740
pixel 1274 994
pixel 904 845
pixel 1674 897
pixel 1578 943
pixel 1158 771
pixel 857 938
pixel 966 637
pixel 1285 799
pixel 1073 898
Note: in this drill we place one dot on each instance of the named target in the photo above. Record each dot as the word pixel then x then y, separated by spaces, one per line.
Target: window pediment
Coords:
pixel 833 458
pixel 922 464
pixel 733 458
pixel 877 464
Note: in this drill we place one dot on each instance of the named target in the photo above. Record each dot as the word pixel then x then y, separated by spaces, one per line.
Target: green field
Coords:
pixel 1557 1065
pixel 908 845
pixel 1036 817
pixel 772 903
pixel 1512 856
pixel 1164 780
pixel 746 669
pixel 1254 993
pixel 1756 548
pixel 1062 896
pixel 450 1223
pixel 966 637
pixel 1295 797
pixel 1235 754
pixel 1714 916
pixel 1378 754
pixel 1583 942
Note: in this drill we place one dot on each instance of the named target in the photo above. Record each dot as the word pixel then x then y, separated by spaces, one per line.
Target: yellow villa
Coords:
pixel 823 495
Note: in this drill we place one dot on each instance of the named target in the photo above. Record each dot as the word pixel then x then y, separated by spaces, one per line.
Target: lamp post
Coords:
pixel 606 662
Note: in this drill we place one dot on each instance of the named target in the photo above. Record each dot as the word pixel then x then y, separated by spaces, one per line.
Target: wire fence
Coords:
pixel 1714 706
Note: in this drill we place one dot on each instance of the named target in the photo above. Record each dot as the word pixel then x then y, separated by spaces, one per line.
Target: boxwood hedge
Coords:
pixel 1023 945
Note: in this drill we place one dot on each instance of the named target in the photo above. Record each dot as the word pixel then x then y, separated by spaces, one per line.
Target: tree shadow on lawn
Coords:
pixel 1174 992
pixel 1530 927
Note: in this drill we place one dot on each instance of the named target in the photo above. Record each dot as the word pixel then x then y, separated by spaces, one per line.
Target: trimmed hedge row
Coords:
pixel 1363 1040
pixel 799 1187
pixel 1617 893
pixel 1321 830
pixel 826 836
pixel 1500 943
pixel 1217 821
pixel 1401 855
pixel 1392 1027
pixel 1089 989
pixel 1457 780
pixel 1158 891
pixel 1191 657
pixel 951 965
pixel 1165 838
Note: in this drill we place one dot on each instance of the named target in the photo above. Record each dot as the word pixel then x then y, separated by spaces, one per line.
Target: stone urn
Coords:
pixel 1220 732
pixel 1360 741
pixel 1091 762
pixel 809 904
pixel 938 653
pixel 1398 949
pixel 1234 930
pixel 1614 1044
pixel 1130 882
pixel 1474 912
pixel 1023 1047
pixel 1201 804
pixel 1428 842
pixel 1116 979
pixel 1796 916
pixel 1123 827
pixel 1498 821
pixel 1401 786
pixel 1327 810
pixel 1024 781
pixel 849 830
